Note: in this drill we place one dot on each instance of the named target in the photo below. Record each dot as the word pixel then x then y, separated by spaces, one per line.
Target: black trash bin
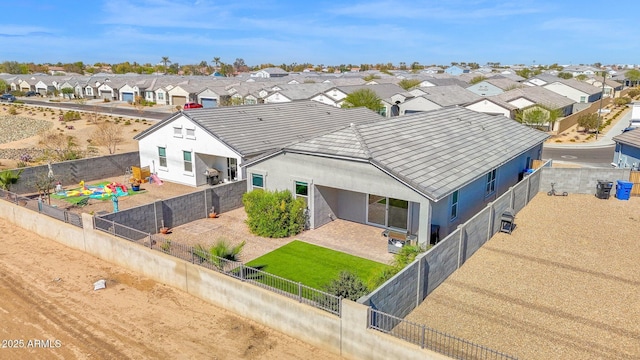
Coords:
pixel 603 189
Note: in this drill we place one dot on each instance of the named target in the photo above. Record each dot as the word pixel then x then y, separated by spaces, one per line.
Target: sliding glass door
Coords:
pixel 388 212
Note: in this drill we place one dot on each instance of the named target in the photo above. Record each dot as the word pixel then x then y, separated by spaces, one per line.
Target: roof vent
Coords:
pixel 259 119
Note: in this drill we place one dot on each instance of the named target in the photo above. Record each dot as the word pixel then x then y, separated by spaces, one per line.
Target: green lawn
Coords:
pixel 314 266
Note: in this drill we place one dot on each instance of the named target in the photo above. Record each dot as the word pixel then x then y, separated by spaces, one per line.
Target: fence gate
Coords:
pixel 634 177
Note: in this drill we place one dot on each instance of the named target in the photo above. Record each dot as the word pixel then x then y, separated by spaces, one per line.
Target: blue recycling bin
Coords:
pixel 623 189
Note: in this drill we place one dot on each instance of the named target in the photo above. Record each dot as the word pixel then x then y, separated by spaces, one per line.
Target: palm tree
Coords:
pixel 165 61
pixel 8 178
pixel 216 61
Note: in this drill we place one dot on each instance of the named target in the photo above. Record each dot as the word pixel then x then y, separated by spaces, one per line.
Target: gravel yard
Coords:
pixel 16 128
pixel 564 285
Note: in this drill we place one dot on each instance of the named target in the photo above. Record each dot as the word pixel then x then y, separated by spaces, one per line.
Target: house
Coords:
pixel 436 97
pixel 456 70
pixel 575 90
pixel 493 86
pixel 271 72
pixel 493 106
pixel 627 153
pixel 389 94
pixel 419 174
pixel 528 96
pixel 182 147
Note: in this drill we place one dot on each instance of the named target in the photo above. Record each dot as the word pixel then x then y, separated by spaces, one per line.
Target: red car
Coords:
pixel 191 105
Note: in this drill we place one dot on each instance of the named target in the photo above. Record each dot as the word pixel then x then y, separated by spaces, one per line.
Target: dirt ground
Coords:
pixel 47 295
pixel 563 285
pixel 82 129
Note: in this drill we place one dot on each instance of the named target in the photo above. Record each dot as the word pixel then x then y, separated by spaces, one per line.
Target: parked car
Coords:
pixel 7 98
pixel 191 105
pixel 31 93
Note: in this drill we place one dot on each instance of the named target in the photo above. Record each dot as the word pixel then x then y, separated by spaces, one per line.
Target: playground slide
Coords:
pixel 119 192
pixel 156 179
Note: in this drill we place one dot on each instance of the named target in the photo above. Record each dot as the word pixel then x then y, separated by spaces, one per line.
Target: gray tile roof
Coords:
pixel 538 95
pixel 255 129
pixel 631 138
pixel 449 95
pixel 435 152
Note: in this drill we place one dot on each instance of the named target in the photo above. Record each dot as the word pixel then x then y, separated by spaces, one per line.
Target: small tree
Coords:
pixel 588 121
pixel 538 115
pixel 565 75
pixel 8 178
pixel 477 79
pixel 348 286
pixel 409 83
pixel 621 101
pixel 107 134
pixel 67 92
pixel 363 98
pixel 60 147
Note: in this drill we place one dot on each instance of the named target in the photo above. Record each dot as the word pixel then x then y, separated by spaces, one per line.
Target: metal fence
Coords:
pixel 201 256
pixel 42 207
pixel 432 339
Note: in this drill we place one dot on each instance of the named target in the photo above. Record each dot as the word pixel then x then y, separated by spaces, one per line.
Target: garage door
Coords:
pixel 127 96
pixel 209 103
pixel 179 100
pixel 106 95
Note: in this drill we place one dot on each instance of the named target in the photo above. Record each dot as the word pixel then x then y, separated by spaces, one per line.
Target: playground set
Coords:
pixel 101 192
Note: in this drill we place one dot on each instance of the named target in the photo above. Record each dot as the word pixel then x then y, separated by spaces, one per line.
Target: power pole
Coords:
pixel 604 76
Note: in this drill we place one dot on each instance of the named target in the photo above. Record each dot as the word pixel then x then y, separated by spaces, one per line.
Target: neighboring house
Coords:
pixel 271 72
pixel 413 174
pixel 436 97
pixel 528 96
pixel 575 90
pixel 183 146
pixel 493 106
pixel 627 153
pixel 456 70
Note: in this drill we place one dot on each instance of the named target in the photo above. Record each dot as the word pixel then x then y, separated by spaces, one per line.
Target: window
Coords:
pixel 383 111
pixel 583 99
pixel 454 206
pixel 388 212
pixel 491 182
pixel 162 157
pixel 160 96
pixel 188 164
pixel 191 133
pixel 302 191
pixel 257 181
pixel 177 132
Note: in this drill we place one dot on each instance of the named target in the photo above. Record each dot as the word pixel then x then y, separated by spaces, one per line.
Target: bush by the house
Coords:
pixel 274 214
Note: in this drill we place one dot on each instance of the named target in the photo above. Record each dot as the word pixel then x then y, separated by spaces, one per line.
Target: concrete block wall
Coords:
pixel 520 196
pixel 580 180
pixel 347 335
pixel 140 218
pixel 474 233
pixel 228 196
pixel 73 171
pixel 499 206
pixel 440 262
pixel 534 184
pixel 184 209
pixel 397 296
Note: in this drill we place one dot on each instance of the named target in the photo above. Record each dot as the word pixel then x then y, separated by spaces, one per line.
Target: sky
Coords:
pixel 321 32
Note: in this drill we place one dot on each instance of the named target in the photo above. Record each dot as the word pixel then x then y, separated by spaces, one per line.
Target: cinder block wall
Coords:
pixel 74 171
pixel 580 180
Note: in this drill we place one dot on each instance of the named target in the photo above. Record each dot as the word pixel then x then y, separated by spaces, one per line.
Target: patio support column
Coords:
pixel 424 223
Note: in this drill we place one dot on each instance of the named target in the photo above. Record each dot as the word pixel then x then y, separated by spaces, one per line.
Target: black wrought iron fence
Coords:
pixel 40 205
pixel 427 338
pixel 201 256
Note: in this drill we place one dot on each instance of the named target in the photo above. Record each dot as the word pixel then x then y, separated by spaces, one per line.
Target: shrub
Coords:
pixel 274 214
pixel 405 257
pixel 348 286
pixel 71 116
pixel 13 111
pixel 106 100
pixel 622 101
pixel 127 122
pixel 223 250
pixel 633 93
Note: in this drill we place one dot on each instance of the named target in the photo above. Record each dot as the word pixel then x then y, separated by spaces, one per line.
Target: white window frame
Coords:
pixel 453 207
pixel 262 176
pixel 191 136
pixel 177 131
pixel 160 157
pixel 160 96
pixel 231 164
pixel 295 190
pixel 490 182
pixel 185 162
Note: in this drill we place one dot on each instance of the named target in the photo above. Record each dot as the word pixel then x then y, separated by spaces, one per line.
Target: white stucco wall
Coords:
pixel 564 90
pixel 418 104
pixel 489 107
pixel 203 143
pixel 521 103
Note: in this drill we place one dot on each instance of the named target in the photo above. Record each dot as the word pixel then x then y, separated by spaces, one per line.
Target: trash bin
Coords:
pixel 603 189
pixel 507 221
pixel 623 189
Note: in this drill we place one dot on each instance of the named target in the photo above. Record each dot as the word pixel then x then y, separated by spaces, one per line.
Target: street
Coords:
pixel 587 157
pixel 105 109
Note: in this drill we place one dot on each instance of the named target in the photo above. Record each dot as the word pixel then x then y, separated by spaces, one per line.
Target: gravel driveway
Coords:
pixel 564 285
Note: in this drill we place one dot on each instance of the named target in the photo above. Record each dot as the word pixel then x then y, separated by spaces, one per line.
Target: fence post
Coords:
pixel 299 292
pixel 113 226
pixel 150 241
pixel 241 271
pixel 461 228
pixel 512 199
pixel 491 215
pixel 422 339
pixel 65 216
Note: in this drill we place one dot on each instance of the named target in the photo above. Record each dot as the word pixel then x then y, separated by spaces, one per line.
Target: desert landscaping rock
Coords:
pixel 16 128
